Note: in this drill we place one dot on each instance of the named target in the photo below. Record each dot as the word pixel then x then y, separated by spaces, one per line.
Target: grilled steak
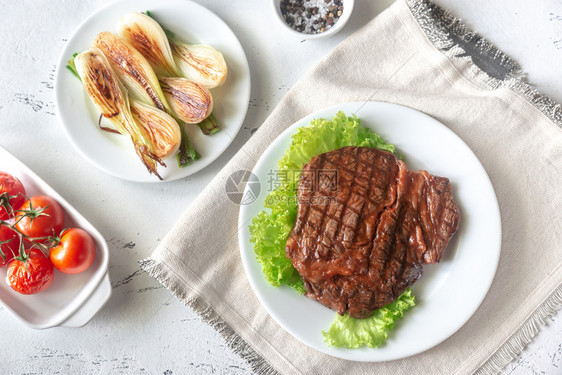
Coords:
pixel 365 226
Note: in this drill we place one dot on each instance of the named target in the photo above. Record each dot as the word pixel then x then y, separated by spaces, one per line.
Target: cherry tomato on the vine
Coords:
pixel 9 244
pixel 32 275
pixel 43 217
pixel 12 194
pixel 75 252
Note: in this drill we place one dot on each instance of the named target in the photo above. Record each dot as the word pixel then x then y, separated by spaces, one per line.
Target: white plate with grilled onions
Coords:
pixel 152 90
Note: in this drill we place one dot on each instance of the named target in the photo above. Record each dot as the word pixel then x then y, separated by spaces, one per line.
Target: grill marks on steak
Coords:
pixel 365 226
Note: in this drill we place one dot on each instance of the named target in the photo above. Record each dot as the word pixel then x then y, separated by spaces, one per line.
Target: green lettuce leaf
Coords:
pixel 346 332
pixel 269 232
pixel 323 135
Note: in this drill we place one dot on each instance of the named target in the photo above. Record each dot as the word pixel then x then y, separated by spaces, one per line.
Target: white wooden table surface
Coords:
pixel 143 329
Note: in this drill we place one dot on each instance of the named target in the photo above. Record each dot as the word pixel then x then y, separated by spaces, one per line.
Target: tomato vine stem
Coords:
pixel 43 244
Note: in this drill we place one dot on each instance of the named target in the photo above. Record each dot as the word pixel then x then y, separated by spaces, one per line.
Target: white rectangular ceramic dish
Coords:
pixel 71 300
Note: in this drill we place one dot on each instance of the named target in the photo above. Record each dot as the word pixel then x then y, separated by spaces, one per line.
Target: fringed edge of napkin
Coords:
pixel 451 36
pixel 523 336
pixel 167 278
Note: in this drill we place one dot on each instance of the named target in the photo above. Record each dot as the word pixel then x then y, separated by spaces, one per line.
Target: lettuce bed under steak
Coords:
pixel 373 331
pixel 271 227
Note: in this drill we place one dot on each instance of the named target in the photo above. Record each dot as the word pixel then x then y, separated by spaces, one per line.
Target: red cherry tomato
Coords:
pixel 47 220
pixel 75 252
pixel 9 245
pixel 32 275
pixel 12 190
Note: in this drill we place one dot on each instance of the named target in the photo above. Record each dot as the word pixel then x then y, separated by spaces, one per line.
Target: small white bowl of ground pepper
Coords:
pixel 313 19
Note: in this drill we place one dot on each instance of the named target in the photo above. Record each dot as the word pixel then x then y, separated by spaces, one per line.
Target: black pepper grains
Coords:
pixel 311 16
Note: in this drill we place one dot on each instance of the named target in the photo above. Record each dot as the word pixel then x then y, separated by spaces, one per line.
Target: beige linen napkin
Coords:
pixel 412 54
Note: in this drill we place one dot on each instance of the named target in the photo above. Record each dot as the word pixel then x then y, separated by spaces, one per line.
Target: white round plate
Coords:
pixel 449 292
pixel 114 153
